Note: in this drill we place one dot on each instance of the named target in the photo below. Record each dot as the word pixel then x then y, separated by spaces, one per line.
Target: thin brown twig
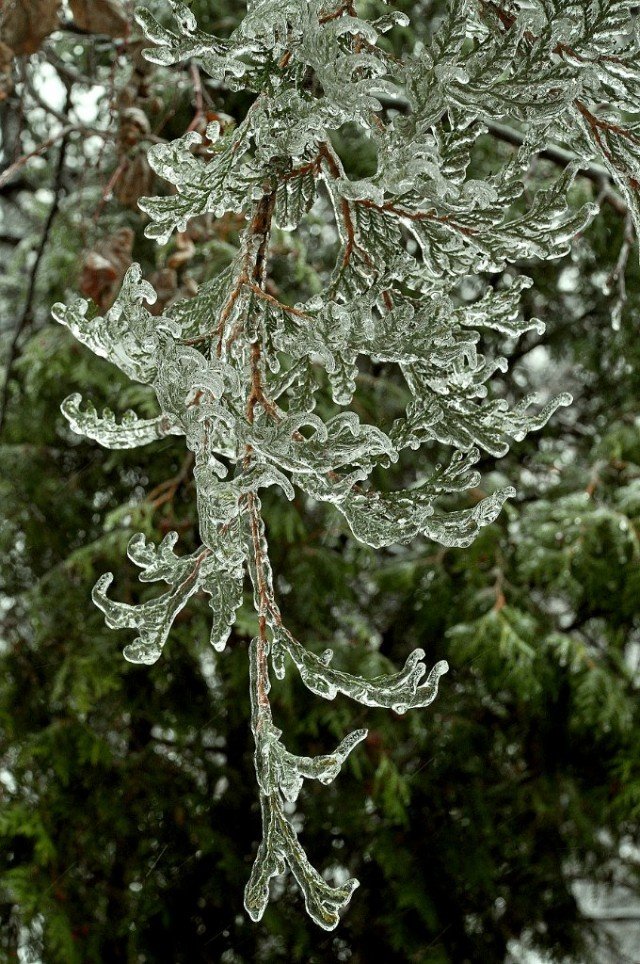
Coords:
pixel 33 93
pixel 260 226
pixel 166 491
pixel 388 300
pixel 262 668
pixel 346 7
pixel 430 215
pixel 197 94
pixel 27 311
pixel 279 304
pixel 328 155
pixel 109 186
pixel 62 134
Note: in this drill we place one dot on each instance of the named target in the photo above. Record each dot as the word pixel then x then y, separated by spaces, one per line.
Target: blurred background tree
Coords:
pixel 128 821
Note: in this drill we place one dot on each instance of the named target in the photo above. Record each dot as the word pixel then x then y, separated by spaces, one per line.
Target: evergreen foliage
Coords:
pixel 538 627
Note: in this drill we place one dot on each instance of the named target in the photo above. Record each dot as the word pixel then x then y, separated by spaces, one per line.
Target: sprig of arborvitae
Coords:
pixel 233 367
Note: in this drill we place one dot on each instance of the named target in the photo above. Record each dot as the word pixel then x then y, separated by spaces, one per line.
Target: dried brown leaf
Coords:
pixel 100 16
pixel 6 78
pixel 133 126
pixel 185 250
pixel 24 24
pixel 165 284
pixel 136 181
pixel 103 268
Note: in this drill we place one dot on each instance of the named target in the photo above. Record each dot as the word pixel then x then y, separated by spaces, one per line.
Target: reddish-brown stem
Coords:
pixel 279 304
pixel 260 227
pixel 351 244
pixel 109 186
pixel 166 491
pixel 430 215
pixel 197 95
pixel 262 669
pixel 346 7
pixel 226 310
pixel 303 169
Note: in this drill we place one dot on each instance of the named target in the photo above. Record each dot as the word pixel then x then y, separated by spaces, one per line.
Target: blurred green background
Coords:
pixel 498 825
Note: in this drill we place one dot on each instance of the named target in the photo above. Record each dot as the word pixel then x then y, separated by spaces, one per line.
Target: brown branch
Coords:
pixel 8 173
pixel 27 311
pixel 166 491
pixel 198 96
pixel 326 153
pixel 303 169
pixel 279 304
pixel 108 188
pixel 262 668
pixel 260 226
pixel 346 7
pixel 430 215
pixel 256 381
pixel 388 300
pixel 224 314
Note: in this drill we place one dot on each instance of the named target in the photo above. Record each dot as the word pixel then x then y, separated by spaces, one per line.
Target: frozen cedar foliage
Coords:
pixel 234 369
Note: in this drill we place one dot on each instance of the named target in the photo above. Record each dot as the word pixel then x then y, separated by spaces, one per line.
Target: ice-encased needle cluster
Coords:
pixel 235 370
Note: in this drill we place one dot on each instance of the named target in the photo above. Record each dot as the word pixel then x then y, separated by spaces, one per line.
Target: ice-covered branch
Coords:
pixel 399 691
pixel 239 372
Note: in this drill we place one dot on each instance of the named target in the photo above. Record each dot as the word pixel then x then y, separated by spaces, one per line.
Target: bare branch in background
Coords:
pixel 27 311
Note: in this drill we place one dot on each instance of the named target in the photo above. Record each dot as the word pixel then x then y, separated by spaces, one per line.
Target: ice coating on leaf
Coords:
pixel 399 691
pixel 127 335
pixel 129 433
pixel 325 768
pixel 500 310
pixel 280 775
pixel 295 196
pixel 379 519
pixel 226 594
pixel 186 41
pixel 391 19
pixel 384 521
pixel 157 562
pixel 219 184
pixel 279 848
pixel 152 619
pixel 218 571
pixel 487 425
pixel 221 501
pixel 343 440
pixel 279 769
pixel 193 315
